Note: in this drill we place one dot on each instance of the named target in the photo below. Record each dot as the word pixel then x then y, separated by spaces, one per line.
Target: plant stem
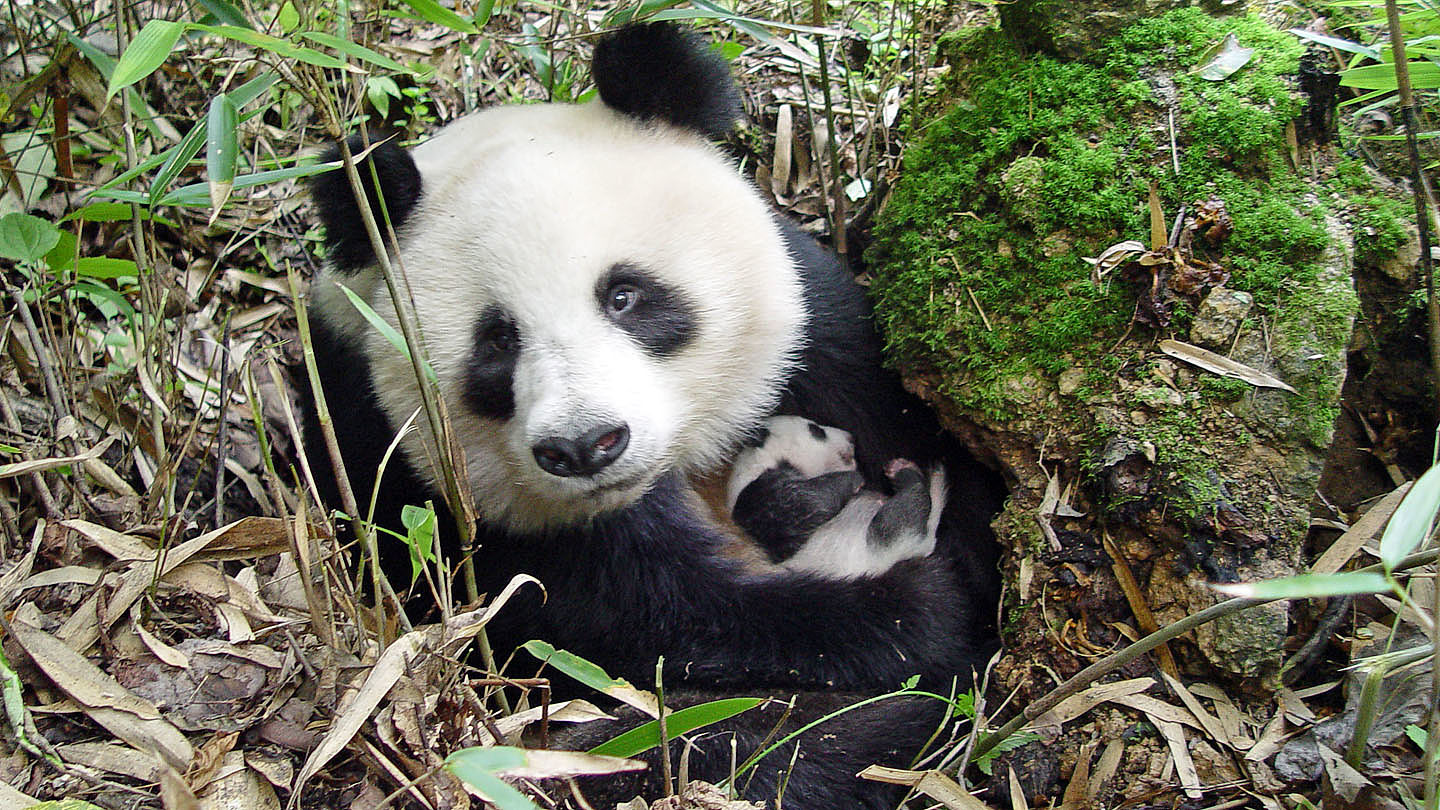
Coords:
pixel 1418 185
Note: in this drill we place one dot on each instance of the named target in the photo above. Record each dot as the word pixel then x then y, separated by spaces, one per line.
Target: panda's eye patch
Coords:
pixel 654 314
pixel 491 368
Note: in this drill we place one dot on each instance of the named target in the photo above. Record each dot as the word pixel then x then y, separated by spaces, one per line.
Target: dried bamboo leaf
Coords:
pixel 934 784
pixel 1220 364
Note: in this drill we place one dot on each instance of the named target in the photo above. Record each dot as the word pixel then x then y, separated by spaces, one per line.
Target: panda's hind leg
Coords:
pixel 905 525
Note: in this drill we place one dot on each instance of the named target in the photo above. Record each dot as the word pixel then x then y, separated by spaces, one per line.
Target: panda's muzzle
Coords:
pixel 584 455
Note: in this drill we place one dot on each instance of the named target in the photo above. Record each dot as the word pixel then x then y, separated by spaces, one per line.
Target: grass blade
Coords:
pixel 642 738
pixel 147 52
pixel 1411 523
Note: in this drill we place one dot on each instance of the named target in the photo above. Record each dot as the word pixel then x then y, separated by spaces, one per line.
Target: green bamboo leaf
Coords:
pixel 26 238
pixel 105 267
pixel 586 672
pixel 1306 586
pixel 355 51
pixel 389 332
pixel 225 13
pixel 148 51
pixel 1349 46
pixel 640 739
pixel 180 156
pixel 1410 525
pixel 280 47
pixel 483 10
pixel 287 17
pixel 1423 76
pixel 222 149
pixel 434 12
pixel 479 767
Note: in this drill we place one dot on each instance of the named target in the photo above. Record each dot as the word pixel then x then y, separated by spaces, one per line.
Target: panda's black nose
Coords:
pixel 584 455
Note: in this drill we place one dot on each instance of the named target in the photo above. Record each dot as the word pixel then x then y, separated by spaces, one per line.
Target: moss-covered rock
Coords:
pixel 990 309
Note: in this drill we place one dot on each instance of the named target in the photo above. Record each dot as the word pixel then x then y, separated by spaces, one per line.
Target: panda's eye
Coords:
pixel 621 298
pixel 500 338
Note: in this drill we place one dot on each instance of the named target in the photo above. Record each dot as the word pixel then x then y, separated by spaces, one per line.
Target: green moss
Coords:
pixel 1038 162
pixel 1223 389
pixel 1380 229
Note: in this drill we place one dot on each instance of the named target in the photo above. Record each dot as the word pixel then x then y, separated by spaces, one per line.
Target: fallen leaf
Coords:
pixel 1223 59
pixel 1220 364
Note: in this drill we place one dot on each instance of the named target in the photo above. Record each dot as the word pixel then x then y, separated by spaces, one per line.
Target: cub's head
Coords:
pixel 602 296
pixel 794 442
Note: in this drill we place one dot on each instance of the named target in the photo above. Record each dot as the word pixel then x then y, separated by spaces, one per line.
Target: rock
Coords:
pixel 1220 315
pixel 1401 266
pixel 1022 186
pixel 1071 380
pixel 1073 29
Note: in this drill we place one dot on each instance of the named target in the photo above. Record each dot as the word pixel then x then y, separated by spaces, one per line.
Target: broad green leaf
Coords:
pixel 148 51
pixel 225 13
pixel 419 524
pixel 102 212
pixel 642 738
pixel 109 302
pixel 356 51
pixel 434 12
pixel 222 149
pixel 483 10
pixel 1423 76
pixel 1016 740
pixel 61 258
pixel 1306 586
pixel 105 267
pixel 478 767
pixel 593 676
pixel 380 89
pixel 389 332
pixel 26 238
pixel 287 17
pixel 1410 525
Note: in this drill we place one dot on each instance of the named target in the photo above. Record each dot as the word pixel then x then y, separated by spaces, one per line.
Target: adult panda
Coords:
pixel 610 308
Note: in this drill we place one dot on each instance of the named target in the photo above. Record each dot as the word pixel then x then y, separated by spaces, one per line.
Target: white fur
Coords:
pixel 789 440
pixel 526 207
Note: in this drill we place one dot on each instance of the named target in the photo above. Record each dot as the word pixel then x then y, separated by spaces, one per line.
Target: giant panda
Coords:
pixel 610 308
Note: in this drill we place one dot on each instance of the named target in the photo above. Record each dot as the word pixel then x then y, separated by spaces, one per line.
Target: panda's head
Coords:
pixel 603 297
pixel 795 442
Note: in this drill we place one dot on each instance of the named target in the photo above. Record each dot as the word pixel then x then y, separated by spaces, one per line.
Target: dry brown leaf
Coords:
pixel 1158 708
pixel 1076 705
pixel 1017 792
pixel 47 464
pixel 393 663
pixel 124 714
pixel 111 758
pixel 116 544
pixel 1209 723
pixel 175 793
pixel 158 648
pixel 1344 780
pixel 1174 735
pixel 567 711
pixel 1106 768
pixel 540 764
pixel 784 140
pixel 934 784
pixel 237 787
pixel 1077 792
pixel 12 799
pixel 1220 364
pixel 1366 529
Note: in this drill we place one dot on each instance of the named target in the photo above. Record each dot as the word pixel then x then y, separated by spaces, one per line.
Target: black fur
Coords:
pixel 490 373
pixel 345 235
pixel 781 508
pixel 659 72
pixel 658 318
pixel 907 510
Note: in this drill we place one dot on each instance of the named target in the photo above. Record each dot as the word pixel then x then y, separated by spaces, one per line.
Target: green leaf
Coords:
pixel 1410 525
pixel 396 339
pixel 1010 743
pixel 105 267
pixel 280 47
pixel 222 149
pixel 356 51
pixel 1306 586
pixel 478 767
pixel 148 51
pixel 483 10
pixel 419 523
pixel 103 212
pixel 26 238
pixel 1423 76
pixel 1340 44
pixel 226 14
pixel 1223 59
pixel 61 258
pixel 287 17
pixel 642 738
pixel 1417 735
pixel 179 157
pixel 432 11
pixel 380 89
pixel 573 665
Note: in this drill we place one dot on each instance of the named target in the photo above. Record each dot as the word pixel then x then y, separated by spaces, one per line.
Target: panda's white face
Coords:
pixel 812 449
pixel 603 302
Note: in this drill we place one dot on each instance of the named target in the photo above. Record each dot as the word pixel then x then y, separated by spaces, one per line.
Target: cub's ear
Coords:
pixel 349 245
pixel 655 71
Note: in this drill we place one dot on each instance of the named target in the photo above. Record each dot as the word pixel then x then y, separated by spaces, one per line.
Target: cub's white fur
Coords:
pixel 789 440
pixel 525 208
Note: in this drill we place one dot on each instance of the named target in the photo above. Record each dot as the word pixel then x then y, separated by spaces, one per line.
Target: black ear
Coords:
pixel 657 71
pixel 344 230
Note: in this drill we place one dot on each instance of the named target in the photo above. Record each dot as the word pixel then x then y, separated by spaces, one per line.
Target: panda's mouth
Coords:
pixel 630 482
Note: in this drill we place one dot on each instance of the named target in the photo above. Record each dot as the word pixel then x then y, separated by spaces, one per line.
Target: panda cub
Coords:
pixel 795 489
